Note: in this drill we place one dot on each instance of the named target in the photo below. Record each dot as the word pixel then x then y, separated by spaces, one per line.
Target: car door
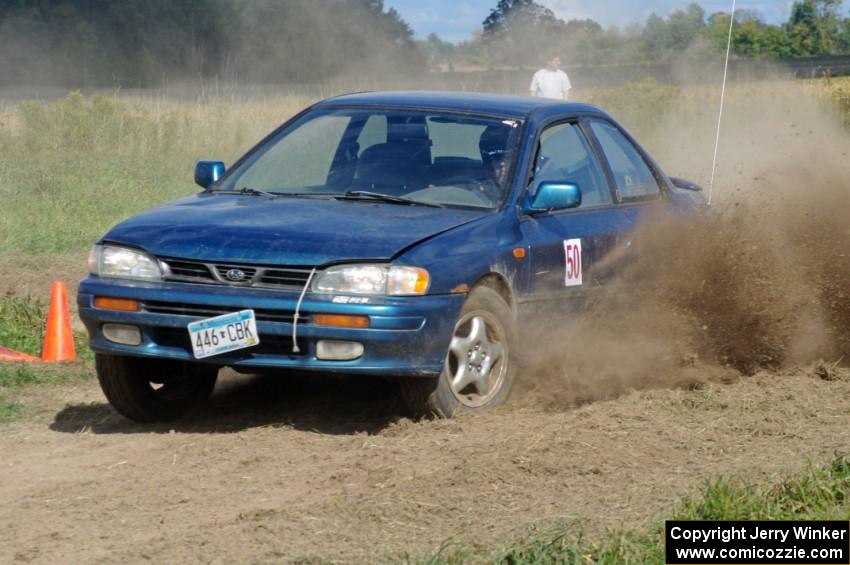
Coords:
pixel 638 188
pixel 566 245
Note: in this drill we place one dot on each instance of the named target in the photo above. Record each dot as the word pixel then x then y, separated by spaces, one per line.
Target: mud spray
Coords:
pixel 760 284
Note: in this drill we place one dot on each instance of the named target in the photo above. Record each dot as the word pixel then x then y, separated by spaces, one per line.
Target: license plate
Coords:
pixel 223 334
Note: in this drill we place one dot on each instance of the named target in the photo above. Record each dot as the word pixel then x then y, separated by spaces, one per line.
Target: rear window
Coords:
pixel 452 139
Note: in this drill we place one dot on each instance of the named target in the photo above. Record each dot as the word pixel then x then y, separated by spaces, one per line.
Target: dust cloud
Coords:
pixel 759 283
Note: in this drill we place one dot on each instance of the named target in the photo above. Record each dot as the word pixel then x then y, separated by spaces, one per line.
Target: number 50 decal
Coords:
pixel 572 255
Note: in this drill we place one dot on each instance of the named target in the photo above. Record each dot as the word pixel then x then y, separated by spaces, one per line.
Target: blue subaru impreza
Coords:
pixel 395 234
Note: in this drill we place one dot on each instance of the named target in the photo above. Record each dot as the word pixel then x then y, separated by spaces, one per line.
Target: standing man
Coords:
pixel 551 82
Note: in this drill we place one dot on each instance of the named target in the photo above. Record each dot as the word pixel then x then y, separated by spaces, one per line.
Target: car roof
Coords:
pixel 471 102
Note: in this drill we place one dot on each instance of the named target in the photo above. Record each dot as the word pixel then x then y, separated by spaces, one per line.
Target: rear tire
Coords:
pixel 478 372
pixel 153 390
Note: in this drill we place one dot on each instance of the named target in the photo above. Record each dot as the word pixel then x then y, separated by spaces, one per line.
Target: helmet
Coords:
pixel 493 142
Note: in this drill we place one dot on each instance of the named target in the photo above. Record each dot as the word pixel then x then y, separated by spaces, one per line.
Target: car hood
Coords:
pixel 283 231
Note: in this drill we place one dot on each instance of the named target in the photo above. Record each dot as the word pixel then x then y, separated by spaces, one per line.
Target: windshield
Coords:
pixel 429 157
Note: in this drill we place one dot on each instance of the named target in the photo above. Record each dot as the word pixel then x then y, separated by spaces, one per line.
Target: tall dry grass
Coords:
pixel 73 168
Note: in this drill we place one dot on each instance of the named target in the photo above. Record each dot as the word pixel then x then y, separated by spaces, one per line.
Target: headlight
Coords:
pixel 120 262
pixel 372 279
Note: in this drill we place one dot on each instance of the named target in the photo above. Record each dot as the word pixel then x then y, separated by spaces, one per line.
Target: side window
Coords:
pixel 632 175
pixel 564 155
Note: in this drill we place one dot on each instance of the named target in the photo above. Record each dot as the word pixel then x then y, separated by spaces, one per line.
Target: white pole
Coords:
pixel 722 100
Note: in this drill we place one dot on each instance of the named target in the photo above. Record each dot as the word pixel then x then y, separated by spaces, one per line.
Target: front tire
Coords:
pixel 479 366
pixel 153 390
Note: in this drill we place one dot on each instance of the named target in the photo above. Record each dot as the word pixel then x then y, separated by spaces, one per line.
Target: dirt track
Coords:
pixel 270 471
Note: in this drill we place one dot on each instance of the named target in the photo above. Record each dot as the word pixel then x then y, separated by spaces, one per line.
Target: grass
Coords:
pixel 9 411
pixel 644 104
pixel 16 378
pixel 22 322
pixel 828 371
pixel 71 169
pixel 22 325
pixel 816 493
pixel 837 92
pixel 18 374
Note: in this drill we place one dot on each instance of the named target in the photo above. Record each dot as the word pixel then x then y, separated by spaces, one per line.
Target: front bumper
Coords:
pixel 408 336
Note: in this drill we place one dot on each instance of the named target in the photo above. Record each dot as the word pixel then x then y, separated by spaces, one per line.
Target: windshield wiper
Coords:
pixel 257 192
pixel 247 191
pixel 377 196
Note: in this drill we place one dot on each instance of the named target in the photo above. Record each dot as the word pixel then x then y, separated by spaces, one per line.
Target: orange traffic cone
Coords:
pixel 13 356
pixel 59 337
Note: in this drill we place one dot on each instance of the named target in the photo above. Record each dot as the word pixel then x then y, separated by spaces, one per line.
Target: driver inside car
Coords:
pixel 496 158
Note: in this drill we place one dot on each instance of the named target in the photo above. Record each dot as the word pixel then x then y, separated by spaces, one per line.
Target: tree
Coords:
pixel 844 36
pixel 302 41
pixel 518 32
pixel 98 42
pixel 581 42
pixel 751 37
pixel 511 15
pixel 684 26
pixel 107 43
pixel 437 51
pixel 814 27
pixel 674 34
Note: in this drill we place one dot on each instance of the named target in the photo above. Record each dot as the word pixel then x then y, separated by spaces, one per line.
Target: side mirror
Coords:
pixel 208 172
pixel 685 184
pixel 554 196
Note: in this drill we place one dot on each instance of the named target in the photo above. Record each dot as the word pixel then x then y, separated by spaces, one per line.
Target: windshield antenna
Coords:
pixel 295 348
pixel 722 100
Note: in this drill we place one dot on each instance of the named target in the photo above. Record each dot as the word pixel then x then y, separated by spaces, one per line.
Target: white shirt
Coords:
pixel 551 84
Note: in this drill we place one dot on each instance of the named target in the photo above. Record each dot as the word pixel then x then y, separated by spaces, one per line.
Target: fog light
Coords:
pixel 330 350
pixel 123 334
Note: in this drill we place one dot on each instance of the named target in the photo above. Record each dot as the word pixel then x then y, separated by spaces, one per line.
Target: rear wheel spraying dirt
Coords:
pixel 151 390
pixel 478 370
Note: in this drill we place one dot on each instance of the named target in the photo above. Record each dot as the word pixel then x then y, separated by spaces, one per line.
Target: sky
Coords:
pixel 456 20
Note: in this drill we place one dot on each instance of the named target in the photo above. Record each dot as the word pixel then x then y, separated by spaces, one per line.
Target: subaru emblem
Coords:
pixel 235 275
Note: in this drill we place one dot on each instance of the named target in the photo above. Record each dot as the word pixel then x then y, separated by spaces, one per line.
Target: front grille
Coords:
pixel 247 272
pixel 284 277
pixel 287 278
pixel 186 269
pixel 207 311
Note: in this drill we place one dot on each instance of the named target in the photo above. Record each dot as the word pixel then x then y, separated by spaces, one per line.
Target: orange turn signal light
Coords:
pixel 341 321
pixel 421 284
pixel 120 304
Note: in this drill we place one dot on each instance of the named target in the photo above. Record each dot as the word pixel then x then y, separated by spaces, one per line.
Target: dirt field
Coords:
pixel 274 470
pixel 629 410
